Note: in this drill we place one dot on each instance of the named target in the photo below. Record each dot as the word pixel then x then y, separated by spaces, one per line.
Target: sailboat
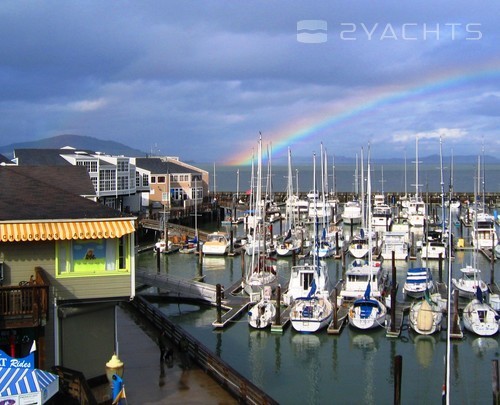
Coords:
pixel 426 315
pixel 368 312
pixel 352 209
pixel 327 243
pixel 479 317
pixel 291 242
pixel 191 245
pixel 416 210
pixel 314 311
pixel 470 280
pixel 262 270
pixel 262 314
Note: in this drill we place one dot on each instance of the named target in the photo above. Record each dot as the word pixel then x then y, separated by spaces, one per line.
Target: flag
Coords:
pixel 312 290
pixel 368 291
pixel 479 294
pixel 120 395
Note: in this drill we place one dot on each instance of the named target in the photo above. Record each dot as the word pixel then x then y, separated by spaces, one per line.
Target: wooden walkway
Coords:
pixel 335 329
pixel 394 331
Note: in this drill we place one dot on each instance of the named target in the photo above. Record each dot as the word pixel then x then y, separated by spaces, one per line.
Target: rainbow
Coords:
pixel 342 111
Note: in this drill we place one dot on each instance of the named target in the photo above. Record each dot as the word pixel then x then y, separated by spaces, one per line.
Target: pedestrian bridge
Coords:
pixel 177 287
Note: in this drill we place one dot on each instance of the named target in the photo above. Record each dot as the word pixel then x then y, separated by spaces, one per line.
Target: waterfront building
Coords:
pixel 65 262
pixel 118 182
pixel 173 184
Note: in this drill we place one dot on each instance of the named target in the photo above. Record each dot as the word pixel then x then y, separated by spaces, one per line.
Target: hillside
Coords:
pixel 76 141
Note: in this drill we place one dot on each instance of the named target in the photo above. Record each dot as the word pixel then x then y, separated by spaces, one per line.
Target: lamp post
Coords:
pixel 114 374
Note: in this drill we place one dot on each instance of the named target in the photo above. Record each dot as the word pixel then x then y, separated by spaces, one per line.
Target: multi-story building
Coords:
pixel 117 182
pixel 174 183
pixel 65 263
pixel 129 184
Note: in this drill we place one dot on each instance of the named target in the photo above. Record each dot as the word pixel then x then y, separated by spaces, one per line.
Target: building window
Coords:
pixel 122 182
pixel 107 181
pixel 137 179
pixel 176 194
pixel 122 166
pixel 92 257
pixel 153 179
pixel 145 180
pixel 161 179
pixel 197 193
pixel 91 166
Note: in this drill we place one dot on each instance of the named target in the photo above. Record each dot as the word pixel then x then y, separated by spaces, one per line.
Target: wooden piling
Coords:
pixel 440 268
pixel 398 372
pixel 335 314
pixel 492 261
pixel 277 319
pixel 218 293
pixel 243 265
pixel 393 293
pixel 231 242
pixel 157 260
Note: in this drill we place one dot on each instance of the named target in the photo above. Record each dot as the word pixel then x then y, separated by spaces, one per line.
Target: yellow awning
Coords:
pixel 26 231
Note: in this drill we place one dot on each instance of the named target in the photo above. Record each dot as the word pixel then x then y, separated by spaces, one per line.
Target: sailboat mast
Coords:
pixel 238 183
pixel 316 224
pixel 406 190
pixel 446 385
pixel 416 167
pixel 363 211
pixel 369 210
pixel 442 186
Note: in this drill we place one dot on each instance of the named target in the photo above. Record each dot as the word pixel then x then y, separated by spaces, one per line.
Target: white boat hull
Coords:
pixel 262 314
pixel 424 318
pixel 309 316
pixel 371 318
pixel 480 318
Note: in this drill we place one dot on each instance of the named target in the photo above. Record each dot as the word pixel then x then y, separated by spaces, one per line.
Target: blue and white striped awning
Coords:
pixel 18 382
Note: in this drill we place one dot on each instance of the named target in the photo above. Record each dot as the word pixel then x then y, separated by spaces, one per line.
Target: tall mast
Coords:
pixel 238 183
pixel 442 186
pixel 363 212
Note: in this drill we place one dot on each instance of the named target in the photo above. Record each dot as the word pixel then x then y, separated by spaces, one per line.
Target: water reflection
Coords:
pixel 257 341
pixel 424 349
pixel 214 263
pixel 305 348
pixel 483 346
pixel 368 346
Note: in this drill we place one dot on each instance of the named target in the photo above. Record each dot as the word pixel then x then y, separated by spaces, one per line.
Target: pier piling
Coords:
pixel 393 293
pixel 219 302
pixel 157 260
pixel 440 267
pixel 277 319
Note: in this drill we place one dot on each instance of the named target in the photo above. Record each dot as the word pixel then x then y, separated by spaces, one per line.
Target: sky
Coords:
pixel 203 79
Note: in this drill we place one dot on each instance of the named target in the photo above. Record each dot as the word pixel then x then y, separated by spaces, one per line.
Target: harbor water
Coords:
pixel 384 178
pixel 351 368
